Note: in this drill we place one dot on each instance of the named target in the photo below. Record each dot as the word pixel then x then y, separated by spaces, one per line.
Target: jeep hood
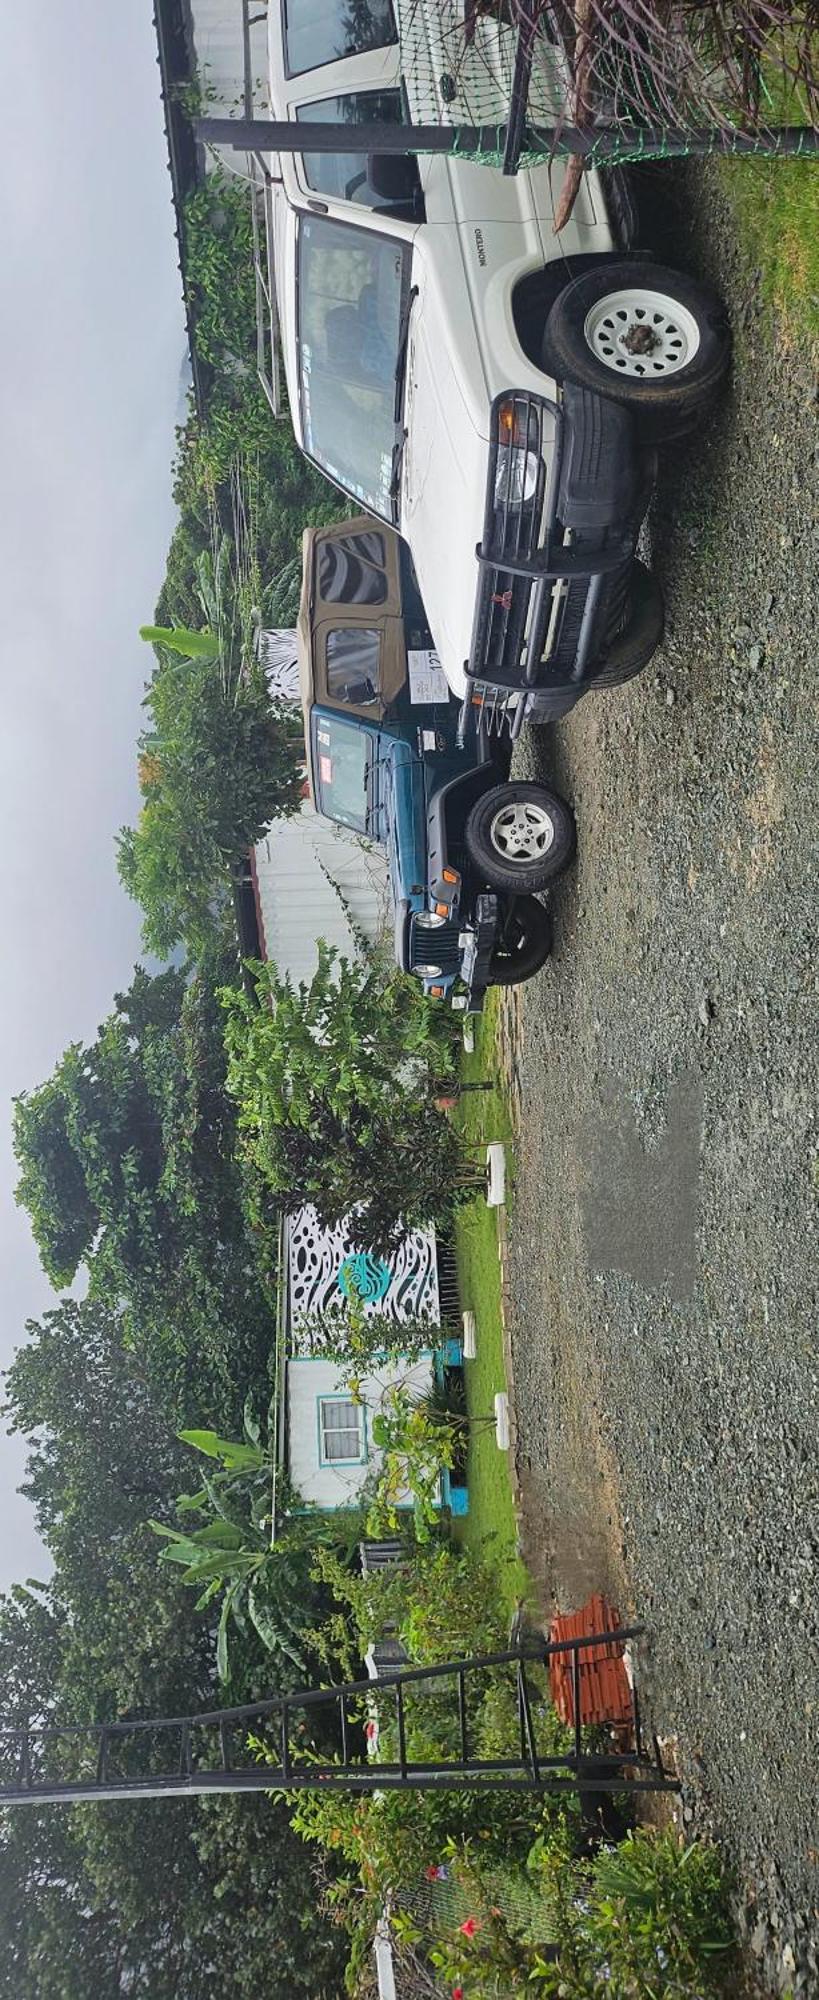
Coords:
pixel 444 477
pixel 402 798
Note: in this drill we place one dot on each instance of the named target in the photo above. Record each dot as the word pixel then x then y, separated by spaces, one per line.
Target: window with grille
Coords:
pixel 341 1427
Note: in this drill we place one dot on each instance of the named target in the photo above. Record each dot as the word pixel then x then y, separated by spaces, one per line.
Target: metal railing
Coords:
pixel 280 1744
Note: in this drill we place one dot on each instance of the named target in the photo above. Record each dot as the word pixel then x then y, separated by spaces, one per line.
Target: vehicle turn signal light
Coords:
pixel 442 909
pixel 437 992
pixel 450 875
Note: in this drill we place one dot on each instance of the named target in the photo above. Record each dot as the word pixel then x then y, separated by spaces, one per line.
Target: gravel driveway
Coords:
pixel 663 1237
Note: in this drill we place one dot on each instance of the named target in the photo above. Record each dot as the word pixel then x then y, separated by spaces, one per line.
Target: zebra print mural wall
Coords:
pixel 323 1266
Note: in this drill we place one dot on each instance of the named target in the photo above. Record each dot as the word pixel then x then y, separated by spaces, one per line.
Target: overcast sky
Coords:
pixel 91 348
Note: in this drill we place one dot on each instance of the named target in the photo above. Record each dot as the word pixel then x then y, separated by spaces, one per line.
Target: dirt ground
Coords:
pixel 662 1241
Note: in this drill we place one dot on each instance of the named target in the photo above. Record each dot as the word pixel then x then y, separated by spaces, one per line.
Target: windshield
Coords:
pixel 352 286
pixel 319 31
pixel 341 768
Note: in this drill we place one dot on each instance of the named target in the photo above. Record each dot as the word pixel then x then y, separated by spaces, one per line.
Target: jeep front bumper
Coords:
pixel 451 957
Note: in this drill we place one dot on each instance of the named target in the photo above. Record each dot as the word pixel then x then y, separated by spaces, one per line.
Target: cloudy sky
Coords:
pixel 91 348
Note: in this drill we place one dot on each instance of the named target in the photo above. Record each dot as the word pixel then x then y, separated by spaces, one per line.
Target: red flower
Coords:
pixel 457 1993
pixel 470 1927
pixel 431 1872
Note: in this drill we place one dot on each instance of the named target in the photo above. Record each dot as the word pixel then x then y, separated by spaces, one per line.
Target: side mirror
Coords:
pixel 394 178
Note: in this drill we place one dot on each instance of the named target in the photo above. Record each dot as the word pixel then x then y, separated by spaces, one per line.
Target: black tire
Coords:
pixel 525 942
pixel 551 706
pixel 491 836
pixel 634 647
pixel 671 402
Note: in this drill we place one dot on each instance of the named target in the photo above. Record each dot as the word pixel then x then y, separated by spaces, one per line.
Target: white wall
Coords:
pixel 299 905
pixel 307 1381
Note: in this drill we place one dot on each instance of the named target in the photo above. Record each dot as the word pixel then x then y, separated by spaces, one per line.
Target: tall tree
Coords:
pixel 335 1083
pixel 216 765
pixel 130 1169
pixel 167 1900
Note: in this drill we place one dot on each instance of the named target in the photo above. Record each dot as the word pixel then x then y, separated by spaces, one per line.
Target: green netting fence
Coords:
pixel 650 77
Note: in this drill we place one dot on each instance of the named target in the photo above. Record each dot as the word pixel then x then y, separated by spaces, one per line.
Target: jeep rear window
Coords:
pixel 352 285
pixel 353 655
pixel 351 569
pixel 344 175
pixel 321 31
pixel 340 771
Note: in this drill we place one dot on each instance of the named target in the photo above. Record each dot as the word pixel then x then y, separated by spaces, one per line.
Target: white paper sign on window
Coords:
pixel 427 680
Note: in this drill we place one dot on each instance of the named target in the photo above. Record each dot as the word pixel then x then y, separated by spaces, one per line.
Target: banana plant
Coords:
pixel 228 586
pixel 182 639
pixel 231 1554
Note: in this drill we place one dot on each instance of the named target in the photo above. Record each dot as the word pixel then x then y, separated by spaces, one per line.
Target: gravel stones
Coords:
pixel 668 1415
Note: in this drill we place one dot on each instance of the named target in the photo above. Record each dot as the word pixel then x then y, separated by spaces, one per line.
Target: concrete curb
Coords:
pixel 506 1331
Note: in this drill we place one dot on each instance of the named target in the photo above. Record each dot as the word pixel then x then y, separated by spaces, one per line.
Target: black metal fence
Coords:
pixel 282 1743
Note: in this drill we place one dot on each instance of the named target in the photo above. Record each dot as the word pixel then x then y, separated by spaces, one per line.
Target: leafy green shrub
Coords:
pixel 442 1602
pixel 649 1918
pixel 216 764
pixel 656 1904
pixel 224 1550
pixel 333 1082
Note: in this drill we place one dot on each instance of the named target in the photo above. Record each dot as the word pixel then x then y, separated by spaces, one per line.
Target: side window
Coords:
pixel 341 1431
pixel 319 31
pixel 353 655
pixel 344 176
pixel 351 570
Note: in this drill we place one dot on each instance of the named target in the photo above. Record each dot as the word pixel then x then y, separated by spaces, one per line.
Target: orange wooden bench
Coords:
pixel 604 1689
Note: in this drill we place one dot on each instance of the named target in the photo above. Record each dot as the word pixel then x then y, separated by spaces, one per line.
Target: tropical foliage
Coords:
pixel 238 1547
pixel 216 766
pixel 334 1083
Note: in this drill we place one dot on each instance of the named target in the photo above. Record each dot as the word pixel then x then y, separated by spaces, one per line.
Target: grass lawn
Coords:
pixel 489 1528
pixel 777 206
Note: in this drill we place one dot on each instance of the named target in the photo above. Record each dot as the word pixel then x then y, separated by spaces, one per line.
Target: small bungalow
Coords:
pixel 325 1437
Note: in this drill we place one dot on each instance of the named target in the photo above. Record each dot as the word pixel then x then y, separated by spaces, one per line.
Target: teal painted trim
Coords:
pixel 363 1455
pixel 454 1496
pixel 451 1352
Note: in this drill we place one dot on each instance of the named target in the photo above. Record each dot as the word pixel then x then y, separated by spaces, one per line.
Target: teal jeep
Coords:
pixel 469 852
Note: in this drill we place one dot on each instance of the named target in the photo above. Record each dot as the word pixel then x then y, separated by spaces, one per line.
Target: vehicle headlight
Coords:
pixel 515 475
pixel 427 971
pixel 428 920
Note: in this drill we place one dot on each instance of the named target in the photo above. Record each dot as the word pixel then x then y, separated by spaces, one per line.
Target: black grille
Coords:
pixel 512 532
pixel 540 587
pixel 435 945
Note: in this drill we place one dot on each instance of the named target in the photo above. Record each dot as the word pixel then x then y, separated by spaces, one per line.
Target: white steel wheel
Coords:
pixel 643 333
pixel 522 831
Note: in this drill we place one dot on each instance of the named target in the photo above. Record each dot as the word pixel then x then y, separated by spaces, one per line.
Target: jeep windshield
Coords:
pixel 341 768
pixel 352 301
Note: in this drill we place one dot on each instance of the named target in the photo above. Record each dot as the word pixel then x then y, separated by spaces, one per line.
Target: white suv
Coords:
pixel 492 390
